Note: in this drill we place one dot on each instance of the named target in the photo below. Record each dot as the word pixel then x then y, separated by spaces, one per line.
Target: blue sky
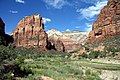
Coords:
pixel 59 14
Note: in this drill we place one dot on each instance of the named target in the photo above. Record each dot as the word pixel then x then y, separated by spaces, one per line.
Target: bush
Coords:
pixel 94 54
pixel 88 72
pixel 103 54
pixel 84 55
pixel 112 49
pixel 7 57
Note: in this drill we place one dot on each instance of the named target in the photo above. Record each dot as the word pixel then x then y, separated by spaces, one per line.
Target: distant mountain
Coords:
pixel 71 39
pixel 74 35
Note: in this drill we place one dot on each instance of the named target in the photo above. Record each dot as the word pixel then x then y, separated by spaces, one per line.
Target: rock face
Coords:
pixel 2 27
pixel 55 44
pixel 71 40
pixel 108 22
pixel 5 39
pixel 30 32
pixel 2 32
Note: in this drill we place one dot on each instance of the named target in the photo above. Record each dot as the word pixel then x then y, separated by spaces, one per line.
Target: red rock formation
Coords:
pixel 71 40
pixel 55 44
pixel 108 22
pixel 70 44
pixel 30 32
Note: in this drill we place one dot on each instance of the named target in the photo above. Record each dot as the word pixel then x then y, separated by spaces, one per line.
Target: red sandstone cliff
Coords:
pixel 30 32
pixel 108 22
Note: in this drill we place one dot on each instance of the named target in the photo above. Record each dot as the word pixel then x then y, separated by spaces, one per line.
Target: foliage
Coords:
pixel 48 63
pixel 94 54
pixel 103 54
pixel 10 62
pixel 112 49
pixel 84 55
pixel 2 40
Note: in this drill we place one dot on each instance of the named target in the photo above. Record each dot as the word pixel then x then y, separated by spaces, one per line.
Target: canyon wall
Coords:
pixel 107 23
pixel 30 32
pixel 71 40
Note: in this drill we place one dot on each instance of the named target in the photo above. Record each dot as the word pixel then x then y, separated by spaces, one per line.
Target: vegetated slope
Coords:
pixel 113 41
pixel 29 64
pixel 57 66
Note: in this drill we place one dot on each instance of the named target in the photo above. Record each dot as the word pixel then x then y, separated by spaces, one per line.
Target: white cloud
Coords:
pixel 77 27
pixel 46 20
pixel 20 1
pixel 90 12
pixel 67 29
pixel 89 27
pixel 58 4
pixel 92 1
pixel 13 11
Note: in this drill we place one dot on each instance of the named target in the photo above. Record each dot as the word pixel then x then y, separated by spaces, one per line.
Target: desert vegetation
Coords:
pixel 30 64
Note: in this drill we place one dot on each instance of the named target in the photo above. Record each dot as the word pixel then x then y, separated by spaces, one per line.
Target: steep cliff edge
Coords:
pixel 108 22
pixel 5 39
pixel 30 32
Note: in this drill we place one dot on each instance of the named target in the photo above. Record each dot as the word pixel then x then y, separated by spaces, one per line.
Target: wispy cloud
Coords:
pixel 92 1
pixel 77 26
pixel 90 12
pixel 58 4
pixel 20 1
pixel 46 20
pixel 89 27
pixel 13 11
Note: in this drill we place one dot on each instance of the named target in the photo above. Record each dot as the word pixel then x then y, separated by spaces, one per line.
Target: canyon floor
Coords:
pixel 60 67
pixel 31 64
pixel 54 65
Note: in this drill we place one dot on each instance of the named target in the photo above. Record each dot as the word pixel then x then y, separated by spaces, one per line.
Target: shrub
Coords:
pixel 112 49
pixel 94 54
pixel 88 72
pixel 103 54
pixel 84 55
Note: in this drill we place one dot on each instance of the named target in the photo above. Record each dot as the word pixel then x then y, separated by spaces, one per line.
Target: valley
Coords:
pixel 30 52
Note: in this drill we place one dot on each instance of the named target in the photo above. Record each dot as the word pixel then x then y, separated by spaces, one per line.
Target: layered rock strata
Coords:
pixel 30 32
pixel 72 40
pixel 107 23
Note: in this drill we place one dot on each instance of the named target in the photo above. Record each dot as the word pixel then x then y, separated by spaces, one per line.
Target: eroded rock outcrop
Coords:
pixel 55 44
pixel 108 22
pixel 30 32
